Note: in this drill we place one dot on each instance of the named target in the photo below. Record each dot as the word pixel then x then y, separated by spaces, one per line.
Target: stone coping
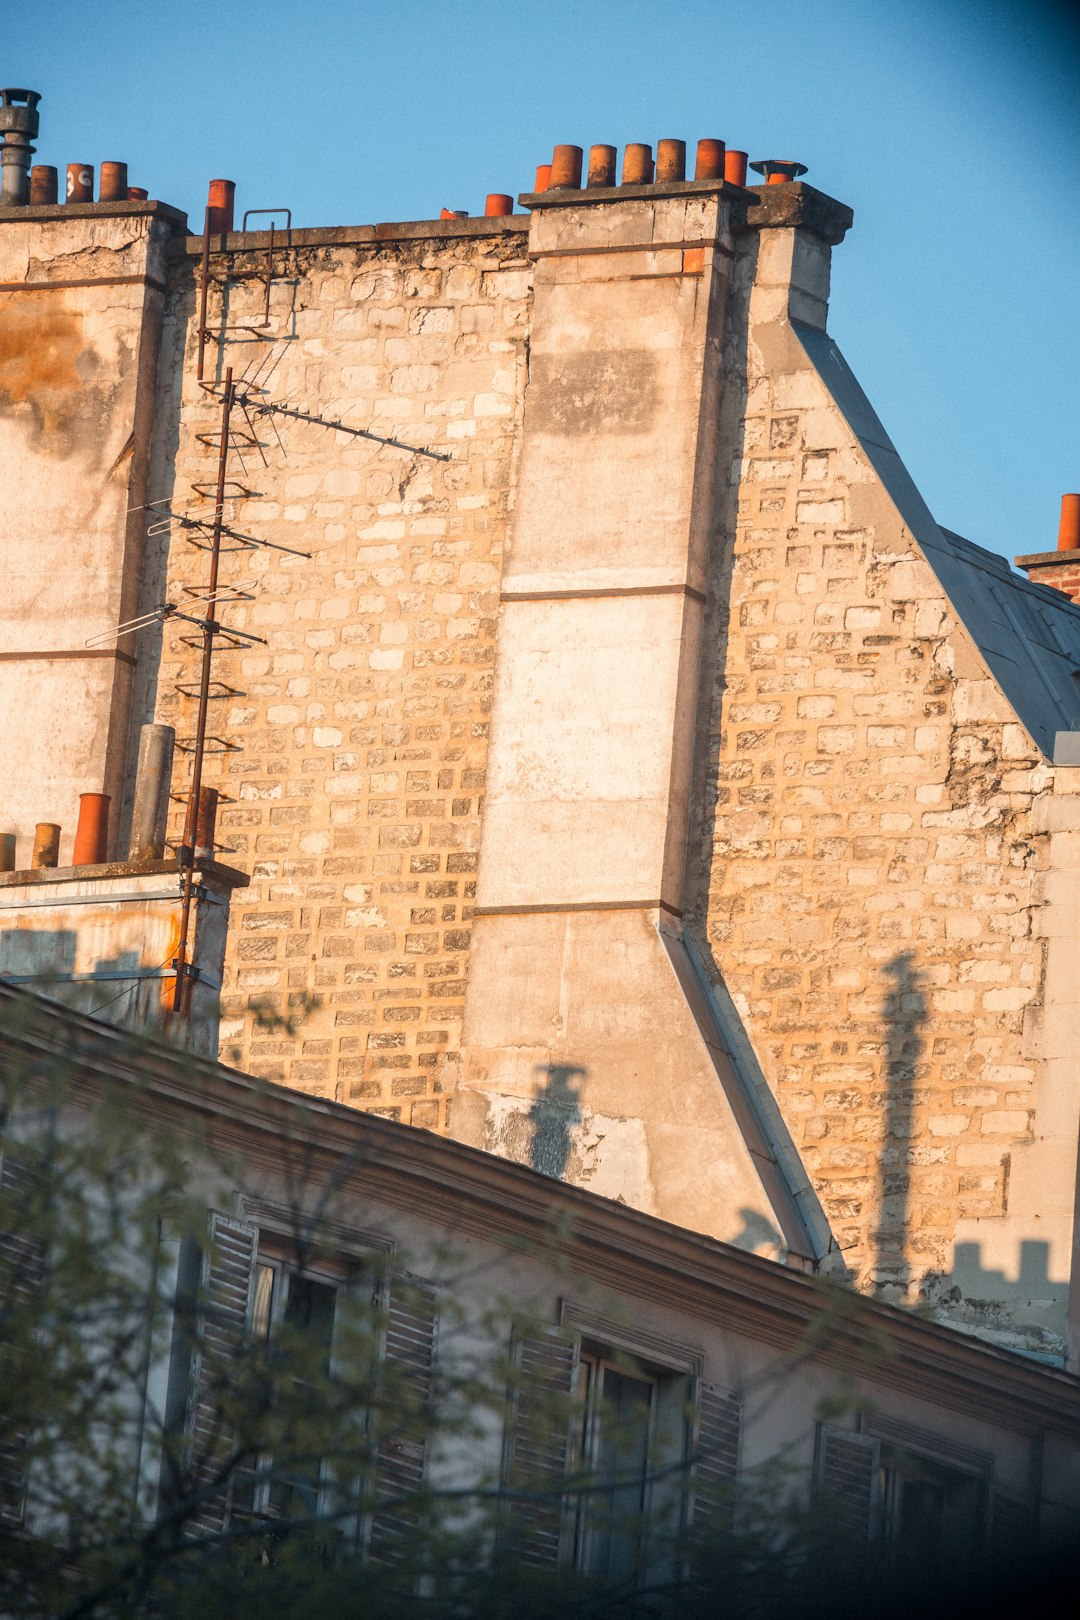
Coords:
pixel 1049 559
pixel 38 212
pixel 422 230
pixel 757 207
pixel 797 204
pixel 228 877
pixel 584 196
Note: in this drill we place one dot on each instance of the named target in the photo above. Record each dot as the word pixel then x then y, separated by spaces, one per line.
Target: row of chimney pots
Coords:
pixel 149 815
pixel 712 161
pixel 112 186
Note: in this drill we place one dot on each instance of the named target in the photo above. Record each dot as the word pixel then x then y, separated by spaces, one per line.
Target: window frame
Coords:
pixel 347 1258
pixel 593 1365
pixel 262 1471
pixel 867 1491
pixel 902 1449
pixel 635 1352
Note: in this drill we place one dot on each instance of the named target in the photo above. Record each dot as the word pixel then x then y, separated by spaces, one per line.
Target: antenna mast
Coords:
pixel 210 629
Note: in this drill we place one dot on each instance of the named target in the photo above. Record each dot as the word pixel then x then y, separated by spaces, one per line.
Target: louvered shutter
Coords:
pixel 538 1449
pixel 401 1456
pixel 224 1302
pixel 716 1458
pixel 1012 1526
pixel 847 1466
pixel 22 1272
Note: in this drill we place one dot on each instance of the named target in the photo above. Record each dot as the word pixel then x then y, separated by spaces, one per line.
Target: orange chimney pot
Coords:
pixel 92 832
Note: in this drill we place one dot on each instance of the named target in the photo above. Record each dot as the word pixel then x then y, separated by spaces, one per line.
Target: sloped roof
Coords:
pixel 1028 634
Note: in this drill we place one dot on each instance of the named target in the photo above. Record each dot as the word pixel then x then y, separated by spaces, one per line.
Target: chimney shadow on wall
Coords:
pixel 38 958
pixel 987 1300
pixel 555 1110
pixel 904 1014
pixel 44 961
pixel 756 1234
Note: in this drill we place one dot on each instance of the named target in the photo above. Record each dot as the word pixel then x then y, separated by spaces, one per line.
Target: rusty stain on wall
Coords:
pixel 45 366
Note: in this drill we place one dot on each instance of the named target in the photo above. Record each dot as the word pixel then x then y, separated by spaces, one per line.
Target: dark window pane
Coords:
pixel 620 1455
pixel 310 1310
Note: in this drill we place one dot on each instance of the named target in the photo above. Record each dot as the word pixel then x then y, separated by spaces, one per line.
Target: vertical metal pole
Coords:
pixel 269 276
pixel 204 288
pixel 181 995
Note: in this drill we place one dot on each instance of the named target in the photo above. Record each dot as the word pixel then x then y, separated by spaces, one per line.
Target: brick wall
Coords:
pixel 353 798
pixel 1061 570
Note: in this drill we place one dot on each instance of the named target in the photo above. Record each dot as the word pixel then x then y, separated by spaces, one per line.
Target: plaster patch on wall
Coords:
pixel 607 1155
pixel 600 391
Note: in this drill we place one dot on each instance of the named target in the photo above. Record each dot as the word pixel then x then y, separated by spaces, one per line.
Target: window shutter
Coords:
pixel 228 1267
pixel 716 1457
pixel 1012 1526
pixel 847 1468
pixel 538 1446
pixel 401 1458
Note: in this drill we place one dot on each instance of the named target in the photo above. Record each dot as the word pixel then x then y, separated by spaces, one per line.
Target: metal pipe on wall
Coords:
pixel 153 776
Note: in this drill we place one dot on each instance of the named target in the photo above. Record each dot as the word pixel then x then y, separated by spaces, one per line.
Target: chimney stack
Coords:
pixel 19 124
pixel 1060 568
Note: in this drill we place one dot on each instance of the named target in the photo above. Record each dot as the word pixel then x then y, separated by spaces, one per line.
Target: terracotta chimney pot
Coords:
pixel 637 164
pixel 709 164
pixel 566 167
pixel 735 167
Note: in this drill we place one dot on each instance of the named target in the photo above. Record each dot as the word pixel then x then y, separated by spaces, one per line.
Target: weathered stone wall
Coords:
pixel 361 725
pixel 81 293
pixel 870 861
pixel 581 1055
pixel 881 864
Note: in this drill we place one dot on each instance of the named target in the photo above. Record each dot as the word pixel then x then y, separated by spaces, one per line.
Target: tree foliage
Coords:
pixel 163 1454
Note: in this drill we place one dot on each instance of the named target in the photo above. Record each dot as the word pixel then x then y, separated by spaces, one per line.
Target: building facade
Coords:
pixel 720 1393
pixel 632 778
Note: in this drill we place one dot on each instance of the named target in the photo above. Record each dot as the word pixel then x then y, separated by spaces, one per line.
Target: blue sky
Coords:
pixel 951 128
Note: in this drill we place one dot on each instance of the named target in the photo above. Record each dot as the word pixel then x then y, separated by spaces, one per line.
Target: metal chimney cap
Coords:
pixel 18 110
pixel 786 167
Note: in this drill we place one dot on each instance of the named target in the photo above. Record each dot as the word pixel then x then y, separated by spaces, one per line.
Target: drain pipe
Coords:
pixel 153 776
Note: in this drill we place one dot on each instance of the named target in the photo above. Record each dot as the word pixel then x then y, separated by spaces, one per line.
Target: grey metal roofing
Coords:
pixel 1028 634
